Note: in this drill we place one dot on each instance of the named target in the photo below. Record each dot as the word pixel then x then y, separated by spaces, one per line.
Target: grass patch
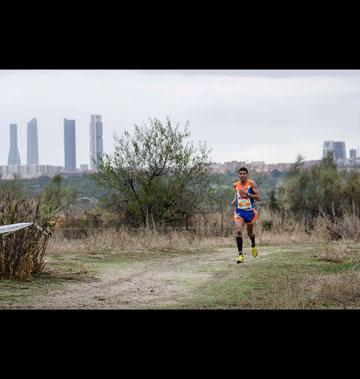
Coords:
pixel 57 272
pixel 285 277
pixel 291 278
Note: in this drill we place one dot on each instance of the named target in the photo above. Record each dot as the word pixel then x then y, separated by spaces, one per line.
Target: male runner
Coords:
pixel 245 194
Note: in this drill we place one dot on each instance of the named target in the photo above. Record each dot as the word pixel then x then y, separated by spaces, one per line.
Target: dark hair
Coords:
pixel 243 169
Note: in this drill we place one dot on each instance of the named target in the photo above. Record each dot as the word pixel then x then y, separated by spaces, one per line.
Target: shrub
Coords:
pixel 22 252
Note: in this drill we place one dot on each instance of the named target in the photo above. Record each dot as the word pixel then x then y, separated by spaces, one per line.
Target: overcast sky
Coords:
pixel 243 115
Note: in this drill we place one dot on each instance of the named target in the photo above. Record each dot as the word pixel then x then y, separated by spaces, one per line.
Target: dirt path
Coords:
pixel 153 284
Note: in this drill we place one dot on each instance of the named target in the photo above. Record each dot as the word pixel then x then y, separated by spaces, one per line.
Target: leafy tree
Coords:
pixel 297 167
pixel 219 196
pixel 307 192
pixel 56 197
pixel 273 202
pixel 352 192
pixel 154 175
pixel 329 187
pixel 13 189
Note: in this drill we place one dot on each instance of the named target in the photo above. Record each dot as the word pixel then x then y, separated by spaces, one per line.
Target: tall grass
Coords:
pixel 206 231
pixel 346 227
pixel 334 290
pixel 204 234
pixel 22 252
pixel 142 239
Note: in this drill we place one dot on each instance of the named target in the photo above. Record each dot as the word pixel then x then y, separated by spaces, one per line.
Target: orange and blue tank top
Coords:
pixel 243 203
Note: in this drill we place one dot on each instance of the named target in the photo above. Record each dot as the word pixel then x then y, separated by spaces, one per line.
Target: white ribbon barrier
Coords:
pixel 14 227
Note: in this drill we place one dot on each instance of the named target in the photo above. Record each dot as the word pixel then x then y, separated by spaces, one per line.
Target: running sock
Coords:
pixel 252 241
pixel 239 242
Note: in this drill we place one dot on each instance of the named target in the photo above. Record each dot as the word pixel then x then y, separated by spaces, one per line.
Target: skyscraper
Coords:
pixel 339 150
pixel 352 153
pixel 336 147
pixel 70 145
pixel 96 141
pixel 32 142
pixel 328 146
pixel 14 156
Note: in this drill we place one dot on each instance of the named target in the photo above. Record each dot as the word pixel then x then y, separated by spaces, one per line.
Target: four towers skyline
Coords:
pixel 96 143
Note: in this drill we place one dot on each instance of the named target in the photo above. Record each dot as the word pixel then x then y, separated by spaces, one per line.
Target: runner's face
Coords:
pixel 243 176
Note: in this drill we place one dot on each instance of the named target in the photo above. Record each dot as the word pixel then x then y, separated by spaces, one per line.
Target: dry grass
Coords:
pixel 346 227
pixel 334 252
pixel 333 290
pixel 22 252
pixel 272 229
pixel 331 279
pixel 283 232
pixel 205 233
pixel 133 240
pixel 336 288
pixel 206 230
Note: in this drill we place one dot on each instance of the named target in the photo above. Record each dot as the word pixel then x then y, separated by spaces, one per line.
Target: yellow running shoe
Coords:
pixel 254 252
pixel 240 258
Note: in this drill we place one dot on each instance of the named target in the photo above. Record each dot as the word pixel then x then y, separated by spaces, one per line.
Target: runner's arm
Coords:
pixel 233 202
pixel 256 194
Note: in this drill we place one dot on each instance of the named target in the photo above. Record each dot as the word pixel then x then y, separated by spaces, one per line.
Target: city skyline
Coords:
pixel 338 148
pixel 96 146
pixel 69 133
pixel 243 115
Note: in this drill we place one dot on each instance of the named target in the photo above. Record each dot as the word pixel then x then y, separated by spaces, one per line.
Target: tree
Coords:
pixel 297 167
pixel 154 175
pixel 13 189
pixel 352 192
pixel 306 193
pixel 273 201
pixel 219 196
pixel 56 197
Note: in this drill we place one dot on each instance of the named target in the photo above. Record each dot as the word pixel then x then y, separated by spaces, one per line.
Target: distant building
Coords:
pixel 336 147
pixel 340 151
pixel 309 164
pixel 14 156
pixel 258 166
pixel 328 146
pixel 84 167
pixel 217 168
pixel 96 140
pixel 233 166
pixel 69 145
pixel 32 142
pixel 29 171
pixel 280 167
pixel 352 154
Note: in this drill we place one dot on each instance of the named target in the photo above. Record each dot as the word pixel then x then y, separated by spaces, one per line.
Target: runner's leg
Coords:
pixel 250 230
pixel 239 226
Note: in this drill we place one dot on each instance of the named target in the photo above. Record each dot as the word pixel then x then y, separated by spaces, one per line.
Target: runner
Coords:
pixel 245 194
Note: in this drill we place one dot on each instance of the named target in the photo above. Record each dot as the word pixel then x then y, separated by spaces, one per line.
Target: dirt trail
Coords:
pixel 154 284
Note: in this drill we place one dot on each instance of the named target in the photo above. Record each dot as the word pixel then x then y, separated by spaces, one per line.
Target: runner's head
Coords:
pixel 243 174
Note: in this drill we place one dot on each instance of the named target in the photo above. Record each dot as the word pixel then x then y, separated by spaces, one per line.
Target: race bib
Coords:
pixel 244 204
